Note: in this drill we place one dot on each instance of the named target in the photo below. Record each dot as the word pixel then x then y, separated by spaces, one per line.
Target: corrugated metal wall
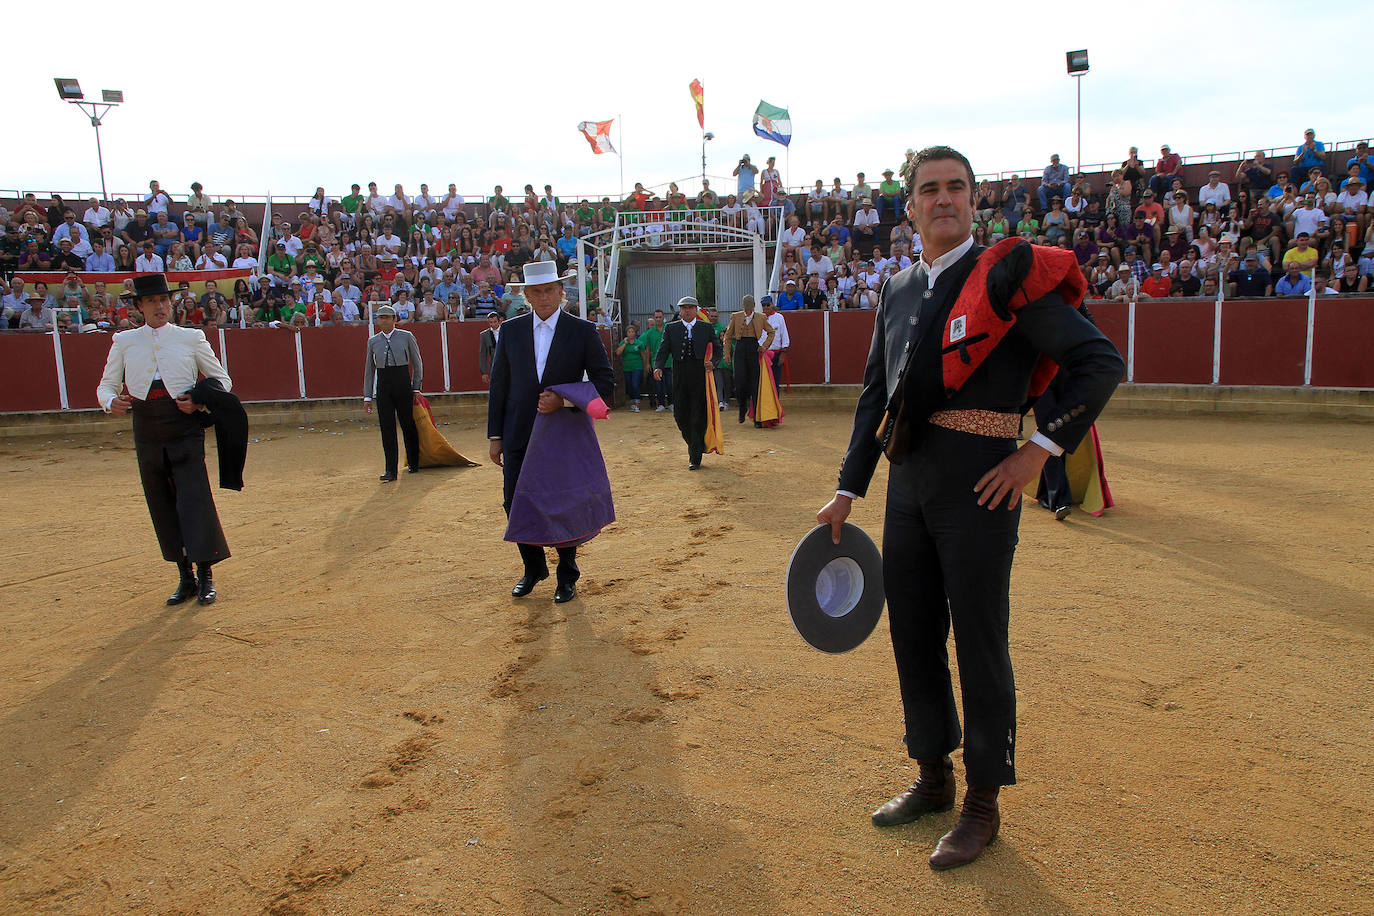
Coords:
pixel 734 280
pixel 657 286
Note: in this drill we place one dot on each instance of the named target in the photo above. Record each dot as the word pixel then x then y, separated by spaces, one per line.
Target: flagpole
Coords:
pixel 787 157
pixel 620 122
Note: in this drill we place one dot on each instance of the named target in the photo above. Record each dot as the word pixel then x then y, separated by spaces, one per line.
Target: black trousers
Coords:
pixel 1054 489
pixel 689 405
pixel 395 403
pixel 171 463
pixel 746 359
pixel 948 560
pixel 532 555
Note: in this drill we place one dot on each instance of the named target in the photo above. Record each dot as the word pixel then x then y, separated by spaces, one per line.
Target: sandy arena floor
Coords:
pixel 367 723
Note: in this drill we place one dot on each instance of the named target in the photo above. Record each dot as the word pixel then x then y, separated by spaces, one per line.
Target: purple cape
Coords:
pixel 563 496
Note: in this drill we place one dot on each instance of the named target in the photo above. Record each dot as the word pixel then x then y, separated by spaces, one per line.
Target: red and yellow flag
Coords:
pixel 698 96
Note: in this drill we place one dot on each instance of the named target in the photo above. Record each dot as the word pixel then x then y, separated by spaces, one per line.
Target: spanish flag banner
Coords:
pixel 699 96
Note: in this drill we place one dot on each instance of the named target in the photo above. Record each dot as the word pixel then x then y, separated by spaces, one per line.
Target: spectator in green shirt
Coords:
pixel 890 193
pixel 631 353
pixel 653 337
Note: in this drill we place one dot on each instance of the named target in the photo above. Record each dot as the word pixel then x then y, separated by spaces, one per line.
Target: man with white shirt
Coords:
pixel 158 364
pixel 535 351
pixel 425 205
pixel 794 236
pixel 158 200
pixel 1214 191
pixel 389 245
pixel 781 341
pixel 399 202
pixel 293 243
pixel 819 264
pixel 949 425
pixel 392 373
pixel 211 259
pixel 148 261
pixel 96 216
pixel 865 221
pixel 453 203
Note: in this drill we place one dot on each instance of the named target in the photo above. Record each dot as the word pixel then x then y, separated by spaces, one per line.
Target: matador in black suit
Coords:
pixel 687 341
pixel 535 351
pixel 948 418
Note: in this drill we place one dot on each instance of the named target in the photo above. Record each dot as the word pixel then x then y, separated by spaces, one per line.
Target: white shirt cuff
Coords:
pixel 1046 443
pixel 847 493
pixel 366 398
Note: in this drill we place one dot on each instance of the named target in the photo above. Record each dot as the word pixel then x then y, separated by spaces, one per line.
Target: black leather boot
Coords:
pixel 207 585
pixel 186 590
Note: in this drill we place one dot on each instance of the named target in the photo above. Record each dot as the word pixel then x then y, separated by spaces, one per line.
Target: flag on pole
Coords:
pixel 773 123
pixel 598 134
pixel 699 97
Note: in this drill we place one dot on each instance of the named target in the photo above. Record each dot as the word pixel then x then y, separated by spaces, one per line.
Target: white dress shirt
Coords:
pixel 780 339
pixel 543 340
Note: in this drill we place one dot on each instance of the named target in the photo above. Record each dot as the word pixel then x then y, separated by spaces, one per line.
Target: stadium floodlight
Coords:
pixel 69 90
pixel 1077 62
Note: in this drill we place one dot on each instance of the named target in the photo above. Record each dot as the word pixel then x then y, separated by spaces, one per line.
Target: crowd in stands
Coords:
pixel 1269 229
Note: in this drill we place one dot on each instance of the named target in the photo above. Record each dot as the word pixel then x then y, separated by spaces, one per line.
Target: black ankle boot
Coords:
pixel 187 588
pixel 207 585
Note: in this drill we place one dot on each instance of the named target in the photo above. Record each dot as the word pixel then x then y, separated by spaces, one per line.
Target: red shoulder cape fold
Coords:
pixel 1007 276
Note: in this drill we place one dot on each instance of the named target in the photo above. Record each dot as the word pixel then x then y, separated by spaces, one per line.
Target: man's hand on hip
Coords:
pixel 1010 476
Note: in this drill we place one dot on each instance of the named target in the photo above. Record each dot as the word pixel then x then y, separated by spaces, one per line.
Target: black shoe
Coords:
pixel 564 593
pixel 526 585
pixel 741 419
pixel 412 470
pixel 694 466
pixel 187 589
pixel 758 425
pixel 207 594
pixel 932 792
pixel 1062 513
pixel 388 477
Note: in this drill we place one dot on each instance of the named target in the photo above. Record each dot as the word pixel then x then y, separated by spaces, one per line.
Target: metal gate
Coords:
pixel 734 280
pixel 657 286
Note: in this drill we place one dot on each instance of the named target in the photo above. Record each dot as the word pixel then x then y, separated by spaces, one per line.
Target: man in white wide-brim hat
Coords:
pixel 535 351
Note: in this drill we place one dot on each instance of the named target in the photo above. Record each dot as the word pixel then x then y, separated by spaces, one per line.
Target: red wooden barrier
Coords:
pixel 1263 341
pixel 83 358
pixel 463 344
pixel 1173 341
pixel 1113 320
pixel 851 334
pixel 333 360
pixel 262 363
pixel 806 347
pixel 28 372
pixel 1342 343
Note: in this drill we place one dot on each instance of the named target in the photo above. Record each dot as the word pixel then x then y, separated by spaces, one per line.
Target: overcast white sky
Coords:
pixel 282 97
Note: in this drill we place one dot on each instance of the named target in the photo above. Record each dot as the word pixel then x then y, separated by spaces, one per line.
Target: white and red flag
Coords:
pixel 598 134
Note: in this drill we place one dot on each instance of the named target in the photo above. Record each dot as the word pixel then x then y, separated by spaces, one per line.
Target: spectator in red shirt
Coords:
pixel 1154 212
pixel 1168 166
pixel 1156 286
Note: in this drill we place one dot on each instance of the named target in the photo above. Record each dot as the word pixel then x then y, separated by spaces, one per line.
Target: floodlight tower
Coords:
pixel 1078 66
pixel 69 90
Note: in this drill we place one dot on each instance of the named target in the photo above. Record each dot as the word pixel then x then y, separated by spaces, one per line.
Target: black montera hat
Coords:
pixel 150 285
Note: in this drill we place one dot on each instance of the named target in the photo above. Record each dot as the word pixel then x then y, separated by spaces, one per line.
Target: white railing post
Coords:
pixel 1311 326
pixel 1130 341
pixel 443 342
pixel 300 364
pixel 1216 333
pixel 61 367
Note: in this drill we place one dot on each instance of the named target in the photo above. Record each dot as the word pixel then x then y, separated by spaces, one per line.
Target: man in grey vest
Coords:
pixel 391 376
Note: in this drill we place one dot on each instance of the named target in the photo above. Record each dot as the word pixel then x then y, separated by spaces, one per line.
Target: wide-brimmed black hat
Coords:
pixel 150 285
pixel 835 591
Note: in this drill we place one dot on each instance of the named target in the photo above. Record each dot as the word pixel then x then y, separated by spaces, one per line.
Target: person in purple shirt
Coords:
pixel 1084 247
pixel 1141 234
